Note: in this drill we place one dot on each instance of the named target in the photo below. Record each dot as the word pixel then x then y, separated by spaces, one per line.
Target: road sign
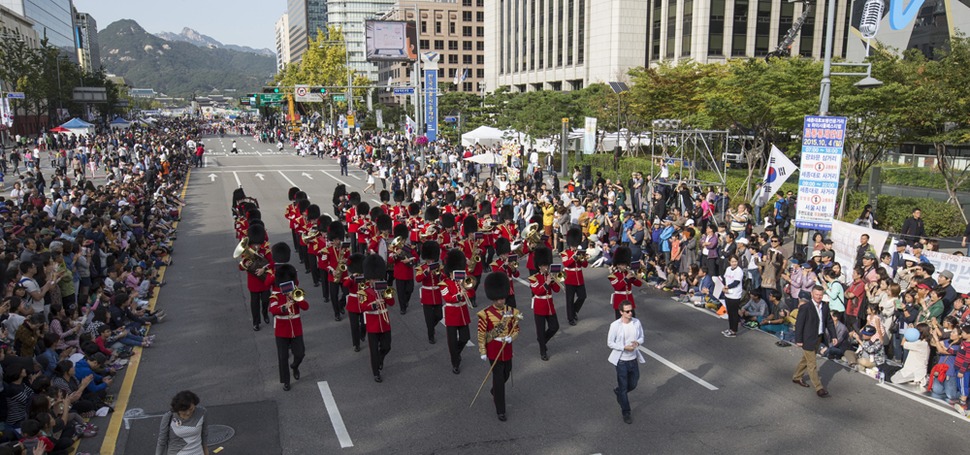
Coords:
pixel 403 90
pixel 266 98
pixel 15 95
pixel 339 98
pixel 350 121
pixel 304 94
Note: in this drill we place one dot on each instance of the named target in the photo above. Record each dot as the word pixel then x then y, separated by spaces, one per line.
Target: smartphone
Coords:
pixel 458 275
pixel 287 287
pixel 555 268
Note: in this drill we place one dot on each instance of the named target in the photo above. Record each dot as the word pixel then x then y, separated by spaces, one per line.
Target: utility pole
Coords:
pixel 563 140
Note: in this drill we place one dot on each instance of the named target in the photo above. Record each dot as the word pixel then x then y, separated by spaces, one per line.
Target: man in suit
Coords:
pixel 812 322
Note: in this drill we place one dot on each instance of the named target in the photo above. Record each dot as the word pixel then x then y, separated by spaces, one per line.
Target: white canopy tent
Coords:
pixel 79 127
pixel 483 135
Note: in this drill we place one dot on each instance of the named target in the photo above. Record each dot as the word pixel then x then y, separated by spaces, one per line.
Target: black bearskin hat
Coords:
pixel 401 230
pixel 485 207
pixel 374 267
pixel 414 209
pixel 256 233
pixel 448 220
pixel 385 196
pixel 470 225
pixel 313 211
pixel 455 260
pixel 503 246
pixel 537 218
pixel 375 212
pixel 280 252
pixel 354 197
pixel 383 222
pixel 338 192
pixel 238 194
pixel 355 264
pixel 398 195
pixel 323 223
pixel 506 213
pixel 468 201
pixel 496 286
pixel 254 214
pixel 257 221
pixel 302 205
pixel 363 209
pixel 336 231
pixel 299 195
pixel 574 236
pixel 285 272
pixel 292 193
pixel 431 213
pixel 542 256
pixel 450 197
pixel 622 256
pixel 430 251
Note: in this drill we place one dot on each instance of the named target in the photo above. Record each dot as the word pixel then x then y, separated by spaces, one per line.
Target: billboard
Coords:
pixel 820 174
pixel 391 41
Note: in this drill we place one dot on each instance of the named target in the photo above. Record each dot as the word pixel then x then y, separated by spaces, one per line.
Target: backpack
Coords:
pixel 594 226
pixel 782 208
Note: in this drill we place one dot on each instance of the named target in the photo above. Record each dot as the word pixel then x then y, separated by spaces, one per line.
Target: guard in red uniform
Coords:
pixel 415 223
pixel 300 226
pixel 505 263
pixel 355 313
pixel 507 229
pixel 623 280
pixel 287 326
pixel 498 327
pixel 375 305
pixel 573 262
pixel 448 237
pixel 543 286
pixel 456 299
pixel 402 260
pixel 292 212
pixel 311 233
pixel 385 197
pixel 364 227
pixel 473 249
pixel 428 273
pixel 333 258
pixel 378 244
pixel 261 282
pixel 352 217
pixel 450 199
pixel 399 212
pixel 544 240
pixel 317 248
pixel 486 225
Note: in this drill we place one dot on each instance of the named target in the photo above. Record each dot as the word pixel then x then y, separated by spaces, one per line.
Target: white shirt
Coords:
pixel 821 322
pixel 617 340
pixel 731 275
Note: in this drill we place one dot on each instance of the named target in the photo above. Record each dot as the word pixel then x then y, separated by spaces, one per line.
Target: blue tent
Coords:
pixel 119 123
pixel 76 123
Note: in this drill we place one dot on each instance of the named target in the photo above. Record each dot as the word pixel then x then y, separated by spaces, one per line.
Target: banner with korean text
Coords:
pixel 820 172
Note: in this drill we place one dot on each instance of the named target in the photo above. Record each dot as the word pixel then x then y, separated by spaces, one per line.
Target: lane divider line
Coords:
pixel 673 366
pixel 338 422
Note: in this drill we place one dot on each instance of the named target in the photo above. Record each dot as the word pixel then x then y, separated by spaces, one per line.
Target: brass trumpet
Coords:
pixel 388 293
pixel 559 277
pixel 468 283
pixel 309 235
pixel 298 295
pixel 580 256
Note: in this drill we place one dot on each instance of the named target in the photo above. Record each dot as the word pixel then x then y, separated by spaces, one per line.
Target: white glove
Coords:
pixel 506 339
pixel 485 357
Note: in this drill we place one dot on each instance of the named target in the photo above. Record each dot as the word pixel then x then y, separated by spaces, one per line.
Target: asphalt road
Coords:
pixel 709 395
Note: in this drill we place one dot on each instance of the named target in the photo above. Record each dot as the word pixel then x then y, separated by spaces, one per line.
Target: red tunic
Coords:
pixel 428 279
pixel 510 269
pixel 265 282
pixel 542 304
pixel 351 219
pixel 530 262
pixel 468 246
pixel 364 231
pixel 623 290
pixel 286 323
pixel 375 314
pixel 292 214
pixel 315 247
pixel 488 319
pixel 416 227
pixel 573 268
pixel 242 226
pixel 331 257
pixel 488 239
pixel 402 264
pixel 353 305
pixel 508 230
pixel 456 307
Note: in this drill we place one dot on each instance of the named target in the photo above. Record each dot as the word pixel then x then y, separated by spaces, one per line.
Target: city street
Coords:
pixel 698 393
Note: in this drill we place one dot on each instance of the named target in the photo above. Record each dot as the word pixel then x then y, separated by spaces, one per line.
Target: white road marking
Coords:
pixel 335 178
pixel 520 280
pixel 354 176
pixel 673 366
pixel 238 183
pixel 212 177
pixel 287 178
pixel 301 166
pixel 260 176
pixel 946 410
pixel 307 175
pixel 338 422
pixel 376 202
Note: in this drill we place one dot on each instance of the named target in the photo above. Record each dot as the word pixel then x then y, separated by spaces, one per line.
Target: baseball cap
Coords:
pixel 869 255
pixel 948 274
pixel 902 243
pixel 868 331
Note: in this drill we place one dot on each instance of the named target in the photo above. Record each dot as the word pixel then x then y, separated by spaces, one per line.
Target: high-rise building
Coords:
pixel 562 44
pixel 282 42
pixel 698 30
pixel 88 49
pixel 305 18
pixel 53 19
pixel 349 15
pixel 13 25
pixel 453 29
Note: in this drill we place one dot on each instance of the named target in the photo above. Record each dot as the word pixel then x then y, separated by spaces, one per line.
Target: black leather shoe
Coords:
pixel 573 322
pixel 501 417
pixel 627 418
pixel 286 387
pixel 316 285
pixel 296 373
pixel 337 317
pixel 378 378
pixel 545 356
pixel 455 370
pixel 266 318
pixel 431 340
pixel 256 328
pixel 404 311
pixel 356 348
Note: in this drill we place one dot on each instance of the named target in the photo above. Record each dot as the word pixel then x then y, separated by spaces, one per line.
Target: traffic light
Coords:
pixel 320 90
pixel 271 89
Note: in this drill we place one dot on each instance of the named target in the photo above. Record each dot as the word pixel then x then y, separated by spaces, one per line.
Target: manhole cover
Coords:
pixel 219 434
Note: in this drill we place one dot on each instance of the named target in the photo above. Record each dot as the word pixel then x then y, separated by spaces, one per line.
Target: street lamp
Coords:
pixel 867 82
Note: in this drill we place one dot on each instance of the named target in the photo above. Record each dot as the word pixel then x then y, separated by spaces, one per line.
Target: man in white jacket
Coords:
pixel 626 336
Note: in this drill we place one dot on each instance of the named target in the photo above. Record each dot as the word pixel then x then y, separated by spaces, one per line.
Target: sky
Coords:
pixel 242 22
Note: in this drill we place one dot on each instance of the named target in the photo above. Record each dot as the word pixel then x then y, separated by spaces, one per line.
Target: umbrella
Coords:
pixel 60 129
pixel 486 158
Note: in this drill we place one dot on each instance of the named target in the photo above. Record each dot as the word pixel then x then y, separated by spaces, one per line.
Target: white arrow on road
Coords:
pixel 260 176
pixel 212 177
pixel 307 176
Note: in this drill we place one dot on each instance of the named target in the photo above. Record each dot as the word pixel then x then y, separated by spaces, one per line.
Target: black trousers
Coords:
pixel 380 345
pixel 296 244
pixel 337 294
pixel 356 327
pixel 432 316
pixel 489 254
pixel 405 288
pixel 314 271
pixel 478 281
pixel 733 313
pixel 325 283
pixel 306 258
pixel 458 337
pixel 259 305
pixel 546 328
pixel 575 297
pixel 283 348
pixel 500 375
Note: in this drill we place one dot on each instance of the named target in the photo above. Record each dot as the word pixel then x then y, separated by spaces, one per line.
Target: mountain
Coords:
pixel 193 37
pixel 179 68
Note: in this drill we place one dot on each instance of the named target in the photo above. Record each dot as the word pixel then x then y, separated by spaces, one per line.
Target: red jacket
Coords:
pixel 292 214
pixel 353 303
pixel 623 289
pixel 375 311
pixel 488 319
pixel 330 257
pixel 573 268
pixel 468 246
pixel 508 230
pixel 542 304
pixel 429 280
pixel 286 323
pixel 265 282
pixel 456 306
pixel 403 264
pixel 351 218
pixel 510 269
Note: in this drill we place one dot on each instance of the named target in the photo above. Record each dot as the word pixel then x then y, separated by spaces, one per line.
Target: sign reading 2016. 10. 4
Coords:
pixel 820 172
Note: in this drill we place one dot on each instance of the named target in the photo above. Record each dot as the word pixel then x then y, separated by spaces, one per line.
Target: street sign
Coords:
pixel 339 98
pixel 304 94
pixel 15 95
pixel 351 121
pixel 266 98
pixel 403 90
pixel 451 119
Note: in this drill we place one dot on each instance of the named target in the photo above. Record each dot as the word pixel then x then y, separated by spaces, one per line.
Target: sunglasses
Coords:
pixel 626 311
pixel 774 241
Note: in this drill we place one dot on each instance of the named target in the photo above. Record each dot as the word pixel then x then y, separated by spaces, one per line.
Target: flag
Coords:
pixel 410 126
pixel 464 75
pixel 6 114
pixel 778 171
pixel 380 119
pixel 457 78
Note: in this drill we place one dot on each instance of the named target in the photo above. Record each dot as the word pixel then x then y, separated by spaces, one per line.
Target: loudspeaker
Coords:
pixel 587 172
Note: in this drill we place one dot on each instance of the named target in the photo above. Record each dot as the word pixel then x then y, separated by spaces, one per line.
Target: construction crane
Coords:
pixel 784 46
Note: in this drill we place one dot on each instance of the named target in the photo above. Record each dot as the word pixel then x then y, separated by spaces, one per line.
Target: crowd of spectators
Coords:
pixel 84 234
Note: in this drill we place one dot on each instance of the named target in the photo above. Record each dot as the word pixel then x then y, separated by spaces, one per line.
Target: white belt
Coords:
pixel 376 312
pixel 541 297
pixel 289 316
pixel 574 269
pixel 455 304
pixel 622 293
pixel 432 288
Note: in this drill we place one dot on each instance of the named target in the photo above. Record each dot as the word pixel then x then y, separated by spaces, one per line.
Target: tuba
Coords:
pixel 250 260
pixel 532 234
pixel 310 235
